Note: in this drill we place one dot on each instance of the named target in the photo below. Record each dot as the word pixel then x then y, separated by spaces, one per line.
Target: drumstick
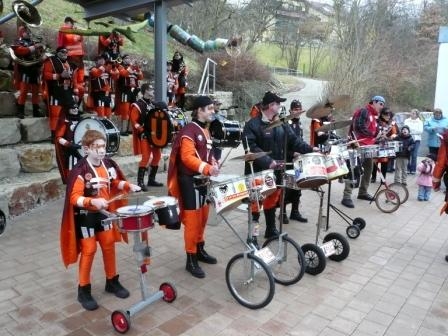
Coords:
pixel 225 158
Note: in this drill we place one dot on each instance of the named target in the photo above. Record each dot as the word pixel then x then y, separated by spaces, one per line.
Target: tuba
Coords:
pixel 30 16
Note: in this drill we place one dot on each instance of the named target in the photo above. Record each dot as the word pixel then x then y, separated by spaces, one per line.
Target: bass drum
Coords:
pixel 161 126
pixel 102 125
pixel 225 133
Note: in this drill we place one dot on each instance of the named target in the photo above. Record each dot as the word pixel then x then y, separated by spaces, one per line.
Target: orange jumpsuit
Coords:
pixel 59 90
pixel 127 84
pixel 109 46
pixel 74 44
pixel 141 145
pixel 100 88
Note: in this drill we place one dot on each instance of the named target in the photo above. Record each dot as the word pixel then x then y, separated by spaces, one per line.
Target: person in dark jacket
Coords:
pixel 402 160
pixel 257 138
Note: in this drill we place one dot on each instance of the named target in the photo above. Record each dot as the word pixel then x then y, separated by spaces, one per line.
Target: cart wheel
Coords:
pixel 353 231
pixel 2 222
pixel 121 321
pixel 314 259
pixel 359 222
pixel 169 292
pixel 401 190
pixel 387 200
pixel 341 246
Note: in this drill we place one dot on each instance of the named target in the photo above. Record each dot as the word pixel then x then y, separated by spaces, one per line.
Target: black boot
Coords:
pixel 255 217
pixel 114 286
pixel 271 230
pixel 152 177
pixel 373 179
pixel 203 256
pixel 20 111
pixel 295 213
pixel 285 217
pixel 36 111
pixel 85 298
pixel 193 267
pixel 141 178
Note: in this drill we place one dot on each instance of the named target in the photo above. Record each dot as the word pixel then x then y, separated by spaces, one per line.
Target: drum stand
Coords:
pixel 121 320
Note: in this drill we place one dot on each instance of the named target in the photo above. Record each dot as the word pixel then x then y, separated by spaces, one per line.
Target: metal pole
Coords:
pixel 160 53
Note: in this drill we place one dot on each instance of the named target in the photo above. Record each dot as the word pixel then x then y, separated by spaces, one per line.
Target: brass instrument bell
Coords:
pixel 27 13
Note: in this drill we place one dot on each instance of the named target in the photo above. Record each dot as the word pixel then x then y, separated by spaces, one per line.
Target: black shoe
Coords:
pixel 446 258
pixel 85 298
pixel 114 286
pixel 271 233
pixel 154 183
pixel 203 256
pixel 298 217
pixel 193 267
pixel 347 202
pixel 366 197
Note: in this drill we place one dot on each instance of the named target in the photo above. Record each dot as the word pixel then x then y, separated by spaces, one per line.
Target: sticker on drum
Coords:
pixel 369 151
pixel 135 218
pixel 263 182
pixel 396 145
pixel 103 125
pixel 166 210
pixel 340 149
pixel 336 166
pixel 228 194
pixel 311 170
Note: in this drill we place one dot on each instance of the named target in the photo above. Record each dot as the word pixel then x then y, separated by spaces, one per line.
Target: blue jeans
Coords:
pixel 412 165
pixel 424 193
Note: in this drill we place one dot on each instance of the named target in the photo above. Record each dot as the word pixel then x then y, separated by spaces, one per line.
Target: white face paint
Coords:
pixel 96 151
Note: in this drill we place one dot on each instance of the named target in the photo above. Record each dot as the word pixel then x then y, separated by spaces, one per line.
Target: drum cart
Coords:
pixel 355 225
pixel 121 319
pixel 334 245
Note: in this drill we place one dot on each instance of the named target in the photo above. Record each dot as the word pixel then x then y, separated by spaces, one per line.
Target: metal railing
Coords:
pixel 209 73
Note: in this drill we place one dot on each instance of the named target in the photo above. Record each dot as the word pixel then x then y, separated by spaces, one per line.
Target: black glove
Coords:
pixel 73 150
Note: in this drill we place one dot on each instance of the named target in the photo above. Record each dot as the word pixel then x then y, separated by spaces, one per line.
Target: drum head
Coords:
pixel 103 125
pixel 160 202
pixel 134 210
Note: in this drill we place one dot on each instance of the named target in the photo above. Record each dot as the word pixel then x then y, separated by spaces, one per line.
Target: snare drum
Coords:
pixel 227 191
pixel 396 145
pixel 225 133
pixel 311 170
pixel 135 218
pixel 262 182
pixel 166 211
pixel 340 150
pixel 201 180
pixel 369 152
pixel 335 166
pixel 103 125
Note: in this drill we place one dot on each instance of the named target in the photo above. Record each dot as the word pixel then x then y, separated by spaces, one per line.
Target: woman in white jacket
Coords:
pixel 415 125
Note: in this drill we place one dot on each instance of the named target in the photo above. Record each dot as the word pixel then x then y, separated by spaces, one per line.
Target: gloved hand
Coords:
pixel 99 203
pixel 214 171
pixel 134 187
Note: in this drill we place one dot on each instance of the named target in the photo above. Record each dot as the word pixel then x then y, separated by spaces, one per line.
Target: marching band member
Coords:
pixel 72 42
pixel 171 84
pixel 58 79
pixel 259 139
pixel 109 46
pixel 294 195
pixel 191 156
pixel 126 90
pixel 27 78
pixel 66 150
pixel 91 184
pixel 101 76
pixel 364 129
pixel 138 115
pixel 319 138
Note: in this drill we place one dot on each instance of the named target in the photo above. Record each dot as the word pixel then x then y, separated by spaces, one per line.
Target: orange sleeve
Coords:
pixel 95 72
pixel 189 158
pixel 441 162
pixel 104 40
pixel 47 72
pixel 22 50
pixel 135 117
pixel 77 192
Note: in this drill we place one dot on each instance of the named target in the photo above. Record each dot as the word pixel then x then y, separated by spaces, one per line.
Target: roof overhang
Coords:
pixel 96 9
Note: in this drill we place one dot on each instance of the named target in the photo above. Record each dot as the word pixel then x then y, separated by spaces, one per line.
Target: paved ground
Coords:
pixel 394 281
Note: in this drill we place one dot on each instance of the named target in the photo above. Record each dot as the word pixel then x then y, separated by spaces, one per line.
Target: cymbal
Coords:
pixel 283 120
pixel 251 156
pixel 338 102
pixel 334 125
pixel 319 110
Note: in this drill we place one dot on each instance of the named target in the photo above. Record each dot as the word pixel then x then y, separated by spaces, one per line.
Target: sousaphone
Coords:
pixel 30 16
pixel 27 13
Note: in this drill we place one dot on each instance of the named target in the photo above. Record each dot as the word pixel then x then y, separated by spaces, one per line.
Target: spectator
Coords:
pixel 415 125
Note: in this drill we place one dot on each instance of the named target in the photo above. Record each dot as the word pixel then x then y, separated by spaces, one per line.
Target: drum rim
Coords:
pixel 165 203
pixel 148 210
